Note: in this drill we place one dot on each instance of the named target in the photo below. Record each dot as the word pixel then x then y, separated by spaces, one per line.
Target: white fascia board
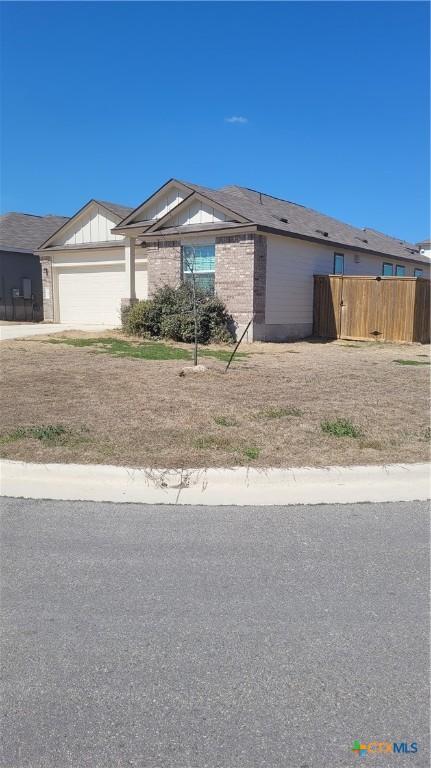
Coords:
pixel 81 247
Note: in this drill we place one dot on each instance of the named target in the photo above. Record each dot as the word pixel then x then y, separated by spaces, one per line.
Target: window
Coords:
pixel 200 261
pixel 419 272
pixel 338 264
pixel 388 270
pixel 400 271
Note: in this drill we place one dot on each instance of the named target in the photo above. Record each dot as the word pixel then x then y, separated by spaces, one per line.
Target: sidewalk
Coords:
pixel 11 330
pixel 237 486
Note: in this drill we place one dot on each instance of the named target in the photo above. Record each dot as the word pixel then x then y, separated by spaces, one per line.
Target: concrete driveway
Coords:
pixel 21 330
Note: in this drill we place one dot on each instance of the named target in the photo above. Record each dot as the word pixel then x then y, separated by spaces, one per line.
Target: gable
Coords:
pixel 197 212
pixel 159 204
pixel 92 225
pixel 194 210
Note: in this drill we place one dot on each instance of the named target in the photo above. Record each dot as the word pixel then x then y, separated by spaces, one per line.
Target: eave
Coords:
pixel 200 230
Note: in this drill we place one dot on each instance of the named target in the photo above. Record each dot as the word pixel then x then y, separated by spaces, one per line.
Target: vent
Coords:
pixel 321 232
pixel 362 239
pixel 281 218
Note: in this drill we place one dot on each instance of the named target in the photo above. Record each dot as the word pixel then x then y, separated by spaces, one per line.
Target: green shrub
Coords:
pixel 141 319
pixel 340 428
pixel 49 434
pixel 251 453
pixel 169 315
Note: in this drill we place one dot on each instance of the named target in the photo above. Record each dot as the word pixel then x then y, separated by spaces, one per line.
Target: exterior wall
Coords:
pixel 239 273
pixel 14 267
pixel 91 258
pixel 291 265
pixel 164 264
pixel 234 276
pixel 259 286
pixel 48 288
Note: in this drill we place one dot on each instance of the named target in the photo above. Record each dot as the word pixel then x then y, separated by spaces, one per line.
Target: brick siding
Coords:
pixel 164 264
pixel 240 274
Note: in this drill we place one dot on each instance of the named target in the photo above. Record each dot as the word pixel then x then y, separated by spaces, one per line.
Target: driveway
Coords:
pixel 221 637
pixel 22 330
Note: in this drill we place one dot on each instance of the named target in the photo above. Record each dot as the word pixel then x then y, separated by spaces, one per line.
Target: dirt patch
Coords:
pixel 266 411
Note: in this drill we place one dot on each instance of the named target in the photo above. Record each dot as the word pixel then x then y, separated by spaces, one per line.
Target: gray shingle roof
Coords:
pixel 119 210
pixel 293 219
pixel 25 231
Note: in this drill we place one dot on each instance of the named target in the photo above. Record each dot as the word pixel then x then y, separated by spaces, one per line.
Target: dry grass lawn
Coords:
pixel 266 411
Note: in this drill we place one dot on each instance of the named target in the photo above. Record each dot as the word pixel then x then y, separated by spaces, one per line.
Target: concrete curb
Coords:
pixel 236 486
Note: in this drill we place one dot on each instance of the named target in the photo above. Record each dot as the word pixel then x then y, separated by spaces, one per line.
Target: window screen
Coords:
pixel 199 260
pixel 338 264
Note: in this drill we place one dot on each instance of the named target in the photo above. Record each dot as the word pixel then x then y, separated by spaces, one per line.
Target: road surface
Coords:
pixel 199 637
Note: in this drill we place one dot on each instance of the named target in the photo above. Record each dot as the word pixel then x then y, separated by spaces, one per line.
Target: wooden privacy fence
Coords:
pixel 376 308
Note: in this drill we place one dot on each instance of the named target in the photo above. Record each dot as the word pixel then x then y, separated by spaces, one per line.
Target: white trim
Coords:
pixel 78 264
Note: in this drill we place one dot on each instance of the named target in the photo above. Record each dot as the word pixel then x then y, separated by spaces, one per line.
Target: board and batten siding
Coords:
pixel 159 206
pixel 198 213
pixel 290 267
pixel 94 226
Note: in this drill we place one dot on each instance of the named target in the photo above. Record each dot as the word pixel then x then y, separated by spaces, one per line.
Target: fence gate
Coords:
pixel 372 308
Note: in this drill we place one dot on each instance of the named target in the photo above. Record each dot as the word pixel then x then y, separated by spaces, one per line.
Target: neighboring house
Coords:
pixel 20 271
pixel 425 248
pixel 257 252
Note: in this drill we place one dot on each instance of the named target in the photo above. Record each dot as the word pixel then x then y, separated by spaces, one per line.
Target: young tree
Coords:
pixel 189 261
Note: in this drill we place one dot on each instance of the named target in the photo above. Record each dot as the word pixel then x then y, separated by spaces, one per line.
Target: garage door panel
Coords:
pixel 91 294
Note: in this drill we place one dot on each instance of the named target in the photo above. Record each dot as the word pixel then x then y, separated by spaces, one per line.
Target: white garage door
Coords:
pixel 91 294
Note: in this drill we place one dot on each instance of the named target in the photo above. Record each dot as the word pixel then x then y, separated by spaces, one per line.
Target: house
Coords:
pixel 425 247
pixel 257 252
pixel 20 271
pixel 84 267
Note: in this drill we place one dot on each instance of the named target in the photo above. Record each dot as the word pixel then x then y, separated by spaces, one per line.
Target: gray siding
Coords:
pixel 13 268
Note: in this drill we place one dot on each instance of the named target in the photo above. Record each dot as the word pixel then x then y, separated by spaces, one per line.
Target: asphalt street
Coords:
pixel 199 637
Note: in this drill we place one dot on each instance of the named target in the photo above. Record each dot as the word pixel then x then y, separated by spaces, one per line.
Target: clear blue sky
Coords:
pixel 109 100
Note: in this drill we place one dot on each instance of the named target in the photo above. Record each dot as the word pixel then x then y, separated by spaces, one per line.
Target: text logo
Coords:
pixel 362 748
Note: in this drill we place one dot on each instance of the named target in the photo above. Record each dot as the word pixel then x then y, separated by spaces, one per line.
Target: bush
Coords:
pixel 340 428
pixel 141 319
pixel 169 315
